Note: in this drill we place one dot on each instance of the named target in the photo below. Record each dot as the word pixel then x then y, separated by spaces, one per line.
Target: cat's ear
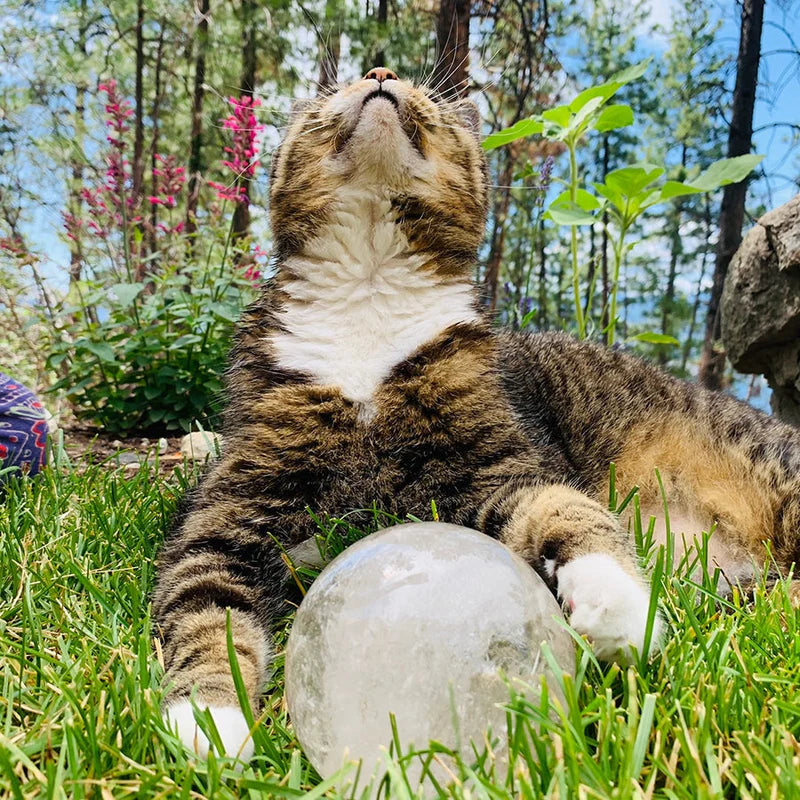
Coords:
pixel 470 116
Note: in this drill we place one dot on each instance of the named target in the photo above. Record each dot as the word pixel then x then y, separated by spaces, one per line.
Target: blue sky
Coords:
pixel 778 94
pixel 778 102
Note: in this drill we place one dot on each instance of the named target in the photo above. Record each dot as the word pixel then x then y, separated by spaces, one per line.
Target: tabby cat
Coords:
pixel 367 373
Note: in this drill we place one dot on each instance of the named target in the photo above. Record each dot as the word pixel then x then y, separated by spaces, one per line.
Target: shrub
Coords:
pixel 153 358
pixel 141 343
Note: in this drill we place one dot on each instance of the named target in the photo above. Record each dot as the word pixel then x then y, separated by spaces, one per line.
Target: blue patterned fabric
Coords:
pixel 23 429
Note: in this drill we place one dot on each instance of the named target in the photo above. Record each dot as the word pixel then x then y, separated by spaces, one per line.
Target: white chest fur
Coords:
pixel 362 302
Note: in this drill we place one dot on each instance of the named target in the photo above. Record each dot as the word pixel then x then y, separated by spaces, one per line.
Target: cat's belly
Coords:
pixel 687 527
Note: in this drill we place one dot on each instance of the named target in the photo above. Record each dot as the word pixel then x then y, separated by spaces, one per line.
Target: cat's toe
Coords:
pixel 232 727
pixel 608 606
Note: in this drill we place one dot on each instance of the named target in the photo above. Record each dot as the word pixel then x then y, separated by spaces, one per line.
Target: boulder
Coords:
pixel 760 308
pixel 201 445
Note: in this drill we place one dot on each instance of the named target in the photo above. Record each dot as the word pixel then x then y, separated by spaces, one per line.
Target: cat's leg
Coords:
pixel 220 565
pixel 580 548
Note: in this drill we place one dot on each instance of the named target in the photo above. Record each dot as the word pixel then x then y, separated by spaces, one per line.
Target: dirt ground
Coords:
pixel 87 445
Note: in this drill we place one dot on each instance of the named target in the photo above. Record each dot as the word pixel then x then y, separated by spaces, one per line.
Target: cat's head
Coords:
pixel 389 137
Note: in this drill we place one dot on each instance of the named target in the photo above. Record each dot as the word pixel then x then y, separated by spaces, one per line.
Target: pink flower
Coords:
pixel 72 225
pixel 253 273
pixel 234 193
pixel 169 183
pixel 244 150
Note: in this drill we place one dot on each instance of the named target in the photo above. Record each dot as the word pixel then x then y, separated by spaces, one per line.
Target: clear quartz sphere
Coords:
pixel 422 620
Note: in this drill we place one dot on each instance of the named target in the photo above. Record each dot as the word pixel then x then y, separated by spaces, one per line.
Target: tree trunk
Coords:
pixel 668 300
pixel 559 316
pixel 381 17
pixel 675 252
pixel 329 48
pixel 452 49
pixel 154 116
pixel 497 241
pixel 541 319
pixel 687 348
pixel 75 202
pixel 731 218
pixel 196 164
pixel 241 214
pixel 591 275
pixel 138 134
pixel 606 288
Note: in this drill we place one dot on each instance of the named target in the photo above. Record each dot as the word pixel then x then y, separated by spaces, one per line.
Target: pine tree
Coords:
pixel 689 131
pixel 731 218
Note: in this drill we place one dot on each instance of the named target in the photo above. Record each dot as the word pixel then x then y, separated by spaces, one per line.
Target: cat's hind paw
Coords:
pixel 608 606
pixel 232 727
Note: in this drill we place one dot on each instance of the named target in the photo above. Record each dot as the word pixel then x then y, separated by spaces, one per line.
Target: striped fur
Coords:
pixel 366 374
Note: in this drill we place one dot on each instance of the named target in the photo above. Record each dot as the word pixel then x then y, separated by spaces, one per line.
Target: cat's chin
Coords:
pixel 231 725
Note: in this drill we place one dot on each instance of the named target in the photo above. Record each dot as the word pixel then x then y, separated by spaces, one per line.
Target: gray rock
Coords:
pixel 201 445
pixel 760 308
pixel 163 446
pixel 123 459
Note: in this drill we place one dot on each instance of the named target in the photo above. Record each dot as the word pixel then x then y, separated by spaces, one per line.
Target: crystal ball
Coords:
pixel 429 622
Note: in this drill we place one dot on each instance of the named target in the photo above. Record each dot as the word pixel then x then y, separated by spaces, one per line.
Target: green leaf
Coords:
pixel 629 181
pixel 613 117
pixel 607 90
pixel 76 387
pixel 652 197
pixel 673 189
pixel 631 73
pixel 577 122
pixel 560 115
pixel 569 214
pixel 520 130
pixel 655 338
pixel 583 199
pixel 126 293
pixel 612 195
pixel 225 311
pixel 725 171
pixel 720 173
pixel 100 349
pixel 604 91
pixel 198 398
pixel 186 339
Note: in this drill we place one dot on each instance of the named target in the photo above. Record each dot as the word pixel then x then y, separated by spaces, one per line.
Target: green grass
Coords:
pixel 716 714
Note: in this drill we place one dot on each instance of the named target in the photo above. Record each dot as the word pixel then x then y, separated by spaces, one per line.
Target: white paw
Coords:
pixel 607 605
pixel 231 725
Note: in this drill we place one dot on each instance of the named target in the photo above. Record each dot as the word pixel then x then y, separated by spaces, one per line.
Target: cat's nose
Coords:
pixel 381 74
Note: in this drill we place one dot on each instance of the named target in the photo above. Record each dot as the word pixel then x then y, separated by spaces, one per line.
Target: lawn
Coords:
pixel 716 714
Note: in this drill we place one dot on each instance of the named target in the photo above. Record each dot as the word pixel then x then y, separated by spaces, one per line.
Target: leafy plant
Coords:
pixel 154 356
pixel 146 336
pixel 625 194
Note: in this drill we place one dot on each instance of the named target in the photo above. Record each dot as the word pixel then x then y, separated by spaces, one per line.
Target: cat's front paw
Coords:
pixel 231 725
pixel 607 605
